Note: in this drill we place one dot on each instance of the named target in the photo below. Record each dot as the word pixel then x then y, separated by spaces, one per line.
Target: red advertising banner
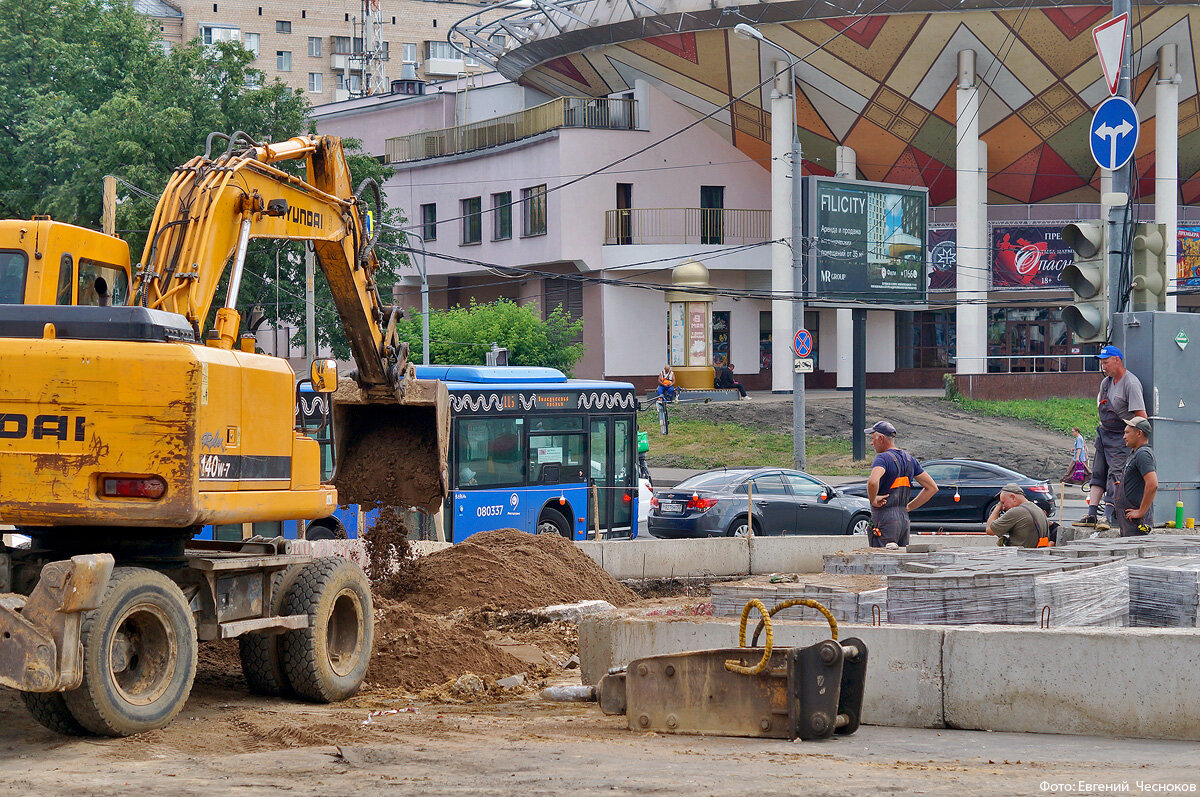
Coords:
pixel 1029 257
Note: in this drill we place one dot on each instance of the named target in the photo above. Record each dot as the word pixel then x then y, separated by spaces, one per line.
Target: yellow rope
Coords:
pixel 765 623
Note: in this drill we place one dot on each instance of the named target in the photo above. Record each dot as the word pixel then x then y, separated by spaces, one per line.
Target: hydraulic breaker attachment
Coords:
pixel 40 647
pixel 781 693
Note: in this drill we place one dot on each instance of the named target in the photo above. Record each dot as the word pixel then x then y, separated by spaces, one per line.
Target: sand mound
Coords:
pixel 510 569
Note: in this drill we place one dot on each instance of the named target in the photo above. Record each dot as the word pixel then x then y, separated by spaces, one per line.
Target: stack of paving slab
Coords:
pixel 1164 592
pixel 849 603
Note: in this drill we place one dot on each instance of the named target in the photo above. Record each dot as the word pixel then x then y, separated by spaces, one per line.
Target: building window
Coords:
pixel 470 60
pixel 533 203
pixel 408 53
pixel 442 50
pixel 472 220
pixel 341 45
pixel 283 60
pixel 565 293
pixel 502 216
pixel 429 221
pixel 314 82
pixel 251 43
pixel 353 85
pixel 214 34
pixel 499 40
pixel 314 46
pixel 283 26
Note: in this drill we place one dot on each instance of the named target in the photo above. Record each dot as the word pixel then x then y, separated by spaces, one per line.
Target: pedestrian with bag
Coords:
pixel 1078 473
pixel 890 488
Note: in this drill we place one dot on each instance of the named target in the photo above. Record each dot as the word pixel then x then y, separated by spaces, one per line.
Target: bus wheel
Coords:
pixel 328 660
pixel 553 522
pixel 324 531
pixel 262 663
pixel 139 656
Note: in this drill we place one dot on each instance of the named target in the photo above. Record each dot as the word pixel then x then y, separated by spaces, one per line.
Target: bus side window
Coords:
pixel 66 279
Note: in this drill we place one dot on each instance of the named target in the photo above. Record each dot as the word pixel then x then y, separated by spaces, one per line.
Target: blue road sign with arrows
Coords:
pixel 1114 133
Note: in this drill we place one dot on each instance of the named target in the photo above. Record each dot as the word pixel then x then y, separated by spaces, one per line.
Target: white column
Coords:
pixel 971 314
pixel 1166 161
pixel 847 167
pixel 782 106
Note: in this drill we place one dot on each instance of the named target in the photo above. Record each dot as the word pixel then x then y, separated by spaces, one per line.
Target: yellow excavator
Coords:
pixel 133 412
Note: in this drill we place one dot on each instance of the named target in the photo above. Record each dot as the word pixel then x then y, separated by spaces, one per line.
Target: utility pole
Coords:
pixel 109 217
pixel 1122 183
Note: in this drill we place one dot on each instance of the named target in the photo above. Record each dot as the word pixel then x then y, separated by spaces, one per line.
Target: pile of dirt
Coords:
pixel 510 569
pixel 414 650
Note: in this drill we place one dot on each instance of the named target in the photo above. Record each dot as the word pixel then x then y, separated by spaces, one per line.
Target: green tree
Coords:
pixel 463 335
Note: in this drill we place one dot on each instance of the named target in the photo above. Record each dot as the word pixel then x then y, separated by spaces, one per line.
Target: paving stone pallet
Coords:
pixel 847 606
pixel 1164 592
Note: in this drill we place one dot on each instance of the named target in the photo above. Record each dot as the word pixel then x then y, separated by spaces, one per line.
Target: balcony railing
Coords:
pixel 686 226
pixel 602 114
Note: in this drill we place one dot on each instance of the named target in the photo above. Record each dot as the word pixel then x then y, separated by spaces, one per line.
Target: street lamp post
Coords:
pixel 799 458
pixel 424 298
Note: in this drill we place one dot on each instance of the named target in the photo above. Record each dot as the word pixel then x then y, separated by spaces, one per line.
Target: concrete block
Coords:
pixel 797 554
pixel 1007 679
pixel 904 670
pixel 594 550
pixel 721 556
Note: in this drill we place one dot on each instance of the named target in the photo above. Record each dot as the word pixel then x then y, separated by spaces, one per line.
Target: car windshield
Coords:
pixel 711 480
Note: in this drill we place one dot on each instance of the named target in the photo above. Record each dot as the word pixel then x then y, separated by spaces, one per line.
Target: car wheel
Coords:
pixel 738 528
pixel 987 510
pixel 859 524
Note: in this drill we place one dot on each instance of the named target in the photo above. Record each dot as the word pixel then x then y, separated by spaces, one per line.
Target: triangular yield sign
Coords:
pixel 1110 45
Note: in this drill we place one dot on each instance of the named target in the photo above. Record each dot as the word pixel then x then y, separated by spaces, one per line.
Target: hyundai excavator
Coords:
pixel 134 411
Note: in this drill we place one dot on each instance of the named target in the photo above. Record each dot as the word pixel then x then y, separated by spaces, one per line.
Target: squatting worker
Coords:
pixel 1139 482
pixel 1018 522
pixel 1120 399
pixel 890 488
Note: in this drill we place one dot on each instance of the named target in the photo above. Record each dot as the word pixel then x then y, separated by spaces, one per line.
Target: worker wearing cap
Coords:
pixel 1016 521
pixel 889 488
pixel 1119 400
pixel 1139 482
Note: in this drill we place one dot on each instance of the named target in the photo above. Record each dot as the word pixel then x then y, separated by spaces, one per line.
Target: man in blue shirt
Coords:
pixel 889 488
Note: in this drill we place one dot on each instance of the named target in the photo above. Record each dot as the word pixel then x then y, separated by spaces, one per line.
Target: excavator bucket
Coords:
pixel 390 447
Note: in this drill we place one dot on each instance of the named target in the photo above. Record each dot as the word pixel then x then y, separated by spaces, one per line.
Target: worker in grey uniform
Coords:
pixel 1120 399
pixel 890 488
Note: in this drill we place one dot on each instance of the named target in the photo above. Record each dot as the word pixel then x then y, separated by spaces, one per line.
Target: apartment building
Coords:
pixel 327 49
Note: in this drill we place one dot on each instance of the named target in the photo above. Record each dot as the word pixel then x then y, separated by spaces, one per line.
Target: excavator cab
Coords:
pixel 48 262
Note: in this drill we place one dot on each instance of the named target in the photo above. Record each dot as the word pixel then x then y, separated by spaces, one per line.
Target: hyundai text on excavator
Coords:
pixel 129 419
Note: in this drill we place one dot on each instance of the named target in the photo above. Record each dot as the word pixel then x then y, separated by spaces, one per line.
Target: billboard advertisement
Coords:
pixel 943 260
pixel 867 241
pixel 1188 249
pixel 1029 256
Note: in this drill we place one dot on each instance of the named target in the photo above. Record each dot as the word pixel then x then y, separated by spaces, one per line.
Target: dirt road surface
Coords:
pixel 928 427
pixel 226 742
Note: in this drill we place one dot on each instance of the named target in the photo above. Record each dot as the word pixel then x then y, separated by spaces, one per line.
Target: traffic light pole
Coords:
pixel 1122 183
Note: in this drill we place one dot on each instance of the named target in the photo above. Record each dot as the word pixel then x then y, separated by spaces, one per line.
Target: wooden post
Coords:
pixel 595 513
pixel 109 216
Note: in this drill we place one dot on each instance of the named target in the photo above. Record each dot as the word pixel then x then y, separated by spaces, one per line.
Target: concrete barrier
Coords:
pixel 1138 682
pixel 904 664
pixel 731 556
pixel 1143 681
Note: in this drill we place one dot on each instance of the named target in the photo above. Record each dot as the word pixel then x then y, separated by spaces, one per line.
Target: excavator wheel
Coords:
pixel 328 660
pixel 262 663
pixel 139 656
pixel 50 710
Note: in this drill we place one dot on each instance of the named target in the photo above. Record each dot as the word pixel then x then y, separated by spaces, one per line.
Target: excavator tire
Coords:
pixel 262 663
pixel 327 661
pixel 50 710
pixel 139 656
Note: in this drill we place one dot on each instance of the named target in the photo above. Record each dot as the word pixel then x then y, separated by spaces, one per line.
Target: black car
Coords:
pixel 967 491
pixel 715 504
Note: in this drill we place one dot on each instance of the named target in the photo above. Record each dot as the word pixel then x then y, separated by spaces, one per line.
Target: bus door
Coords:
pixel 601 474
pixel 612 471
pixel 557 468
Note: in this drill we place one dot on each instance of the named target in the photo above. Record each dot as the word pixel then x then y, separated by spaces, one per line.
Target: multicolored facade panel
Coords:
pixel 885 86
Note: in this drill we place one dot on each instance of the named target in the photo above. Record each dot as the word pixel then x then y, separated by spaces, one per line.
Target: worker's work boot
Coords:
pixel 1087 521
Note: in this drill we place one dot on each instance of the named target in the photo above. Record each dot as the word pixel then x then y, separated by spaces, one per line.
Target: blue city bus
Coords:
pixel 527 447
